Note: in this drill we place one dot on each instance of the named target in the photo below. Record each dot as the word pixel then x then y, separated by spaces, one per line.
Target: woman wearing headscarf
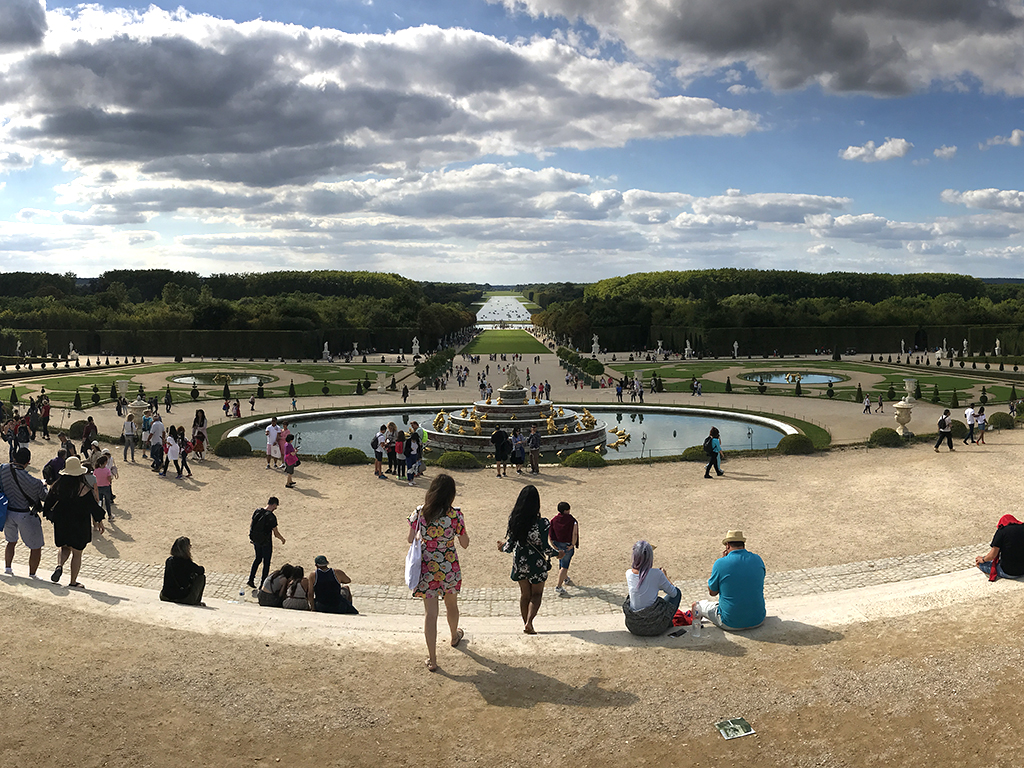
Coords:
pixel 527 540
pixel 647 613
pixel 1005 559
pixel 69 505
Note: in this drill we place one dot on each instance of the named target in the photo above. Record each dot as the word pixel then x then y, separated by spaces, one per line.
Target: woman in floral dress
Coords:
pixel 527 540
pixel 438 524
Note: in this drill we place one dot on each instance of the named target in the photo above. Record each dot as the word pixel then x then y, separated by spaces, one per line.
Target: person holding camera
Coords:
pixel 24 495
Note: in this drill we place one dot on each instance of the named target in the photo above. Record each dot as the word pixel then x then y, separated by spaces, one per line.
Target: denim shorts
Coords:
pixel 563 562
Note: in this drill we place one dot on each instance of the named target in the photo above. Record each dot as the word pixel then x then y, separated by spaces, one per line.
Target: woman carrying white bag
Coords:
pixel 433 530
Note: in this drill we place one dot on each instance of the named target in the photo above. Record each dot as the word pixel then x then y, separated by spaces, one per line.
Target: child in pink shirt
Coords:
pixel 103 477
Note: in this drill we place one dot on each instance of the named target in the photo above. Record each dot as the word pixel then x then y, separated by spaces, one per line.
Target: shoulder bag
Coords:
pixel 414 558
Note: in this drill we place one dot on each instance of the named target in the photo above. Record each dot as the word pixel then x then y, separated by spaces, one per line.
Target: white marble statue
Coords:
pixel 596 347
pixel 18 350
pixel 735 349
pixel 415 346
pixel 355 348
pixel 660 350
pixel 965 347
pixel 903 347
pixel 688 352
pixel 999 348
pixel 513 378
pixel 327 352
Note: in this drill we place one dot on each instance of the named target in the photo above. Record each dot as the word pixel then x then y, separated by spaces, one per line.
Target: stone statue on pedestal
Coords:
pixel 596 347
pixel 415 346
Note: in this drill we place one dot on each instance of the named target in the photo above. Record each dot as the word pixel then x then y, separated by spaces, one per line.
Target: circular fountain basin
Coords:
pixel 233 379
pixel 779 377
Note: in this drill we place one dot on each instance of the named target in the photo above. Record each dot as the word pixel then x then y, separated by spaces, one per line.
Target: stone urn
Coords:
pixel 138 407
pixel 909 385
pixel 904 412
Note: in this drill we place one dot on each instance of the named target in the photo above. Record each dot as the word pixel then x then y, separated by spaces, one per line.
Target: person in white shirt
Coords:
pixel 969 415
pixel 273 450
pixel 647 614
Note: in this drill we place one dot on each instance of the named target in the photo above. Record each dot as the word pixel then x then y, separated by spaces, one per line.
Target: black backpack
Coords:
pixel 258 527
pixel 375 443
pixel 708 448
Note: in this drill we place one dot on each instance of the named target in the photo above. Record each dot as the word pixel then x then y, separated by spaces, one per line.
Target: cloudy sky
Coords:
pixel 513 140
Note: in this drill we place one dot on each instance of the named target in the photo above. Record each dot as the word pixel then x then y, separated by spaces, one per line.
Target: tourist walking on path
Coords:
pixel 147 425
pixel 565 535
pixel 184 447
pixel 502 448
pixel 533 443
pixel 272 432
pixel 72 508
pixel 879 408
pixel 129 430
pixel 262 531
pixel 199 426
pixel 438 525
pixel 413 446
pixel 156 442
pixel 970 417
pixel 24 495
pixel 89 433
pixel 527 539
pixel 980 419
pixel 104 480
pixel 945 431
pixel 867 404
pixel 713 448
pixel 377 444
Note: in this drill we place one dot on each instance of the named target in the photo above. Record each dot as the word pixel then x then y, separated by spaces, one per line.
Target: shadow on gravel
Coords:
pixel 718 644
pixel 504 685
pixel 60 589
pixel 795 633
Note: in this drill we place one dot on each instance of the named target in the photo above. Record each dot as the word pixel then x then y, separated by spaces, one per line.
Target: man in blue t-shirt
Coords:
pixel 737 580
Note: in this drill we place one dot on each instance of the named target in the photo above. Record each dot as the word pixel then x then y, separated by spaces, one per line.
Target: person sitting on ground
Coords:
pixel 184 581
pixel 1005 560
pixel 296 594
pixel 737 580
pixel 271 593
pixel 647 613
pixel 326 593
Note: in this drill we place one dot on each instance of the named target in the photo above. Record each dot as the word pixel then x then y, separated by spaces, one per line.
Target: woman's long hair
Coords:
pixel 439 498
pixel 182 547
pixel 643 559
pixel 67 487
pixel 524 514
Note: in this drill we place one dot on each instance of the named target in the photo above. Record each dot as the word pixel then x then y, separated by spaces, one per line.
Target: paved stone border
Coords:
pixel 582 600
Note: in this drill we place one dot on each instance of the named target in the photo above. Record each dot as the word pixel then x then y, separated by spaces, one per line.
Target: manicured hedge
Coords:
pixel 695 453
pixel 793 445
pixel 346 456
pixel 584 459
pixel 458 460
pixel 231 447
pixel 885 437
pixel 1000 420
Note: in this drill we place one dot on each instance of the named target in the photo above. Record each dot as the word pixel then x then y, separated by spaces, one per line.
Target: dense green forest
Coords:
pixel 732 298
pixel 281 301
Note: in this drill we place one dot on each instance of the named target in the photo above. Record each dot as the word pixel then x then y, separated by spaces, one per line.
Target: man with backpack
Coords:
pixel 24 495
pixel 377 444
pixel 713 448
pixel 262 530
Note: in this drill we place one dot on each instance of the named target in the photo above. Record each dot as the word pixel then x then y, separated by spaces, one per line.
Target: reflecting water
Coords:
pixel 656 434
pixel 779 377
pixel 234 379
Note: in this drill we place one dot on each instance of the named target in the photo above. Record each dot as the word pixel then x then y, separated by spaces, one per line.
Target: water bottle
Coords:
pixel 695 623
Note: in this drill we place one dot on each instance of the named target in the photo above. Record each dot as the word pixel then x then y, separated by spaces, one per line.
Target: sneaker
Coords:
pixel 560 590
pixel 178 476
pixel 34 576
pixel 411 483
pixel 8 571
pixel 162 474
pixel 569 581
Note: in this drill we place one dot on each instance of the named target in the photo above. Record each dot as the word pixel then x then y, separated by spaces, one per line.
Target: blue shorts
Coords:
pixel 563 562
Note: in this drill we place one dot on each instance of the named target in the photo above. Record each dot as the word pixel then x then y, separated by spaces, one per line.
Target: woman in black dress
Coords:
pixel 72 507
pixel 527 539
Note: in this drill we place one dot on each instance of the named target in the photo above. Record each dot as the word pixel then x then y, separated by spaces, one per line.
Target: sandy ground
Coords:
pixel 845 506
pixel 97 687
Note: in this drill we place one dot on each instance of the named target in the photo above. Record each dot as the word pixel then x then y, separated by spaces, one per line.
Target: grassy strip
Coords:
pixel 505 342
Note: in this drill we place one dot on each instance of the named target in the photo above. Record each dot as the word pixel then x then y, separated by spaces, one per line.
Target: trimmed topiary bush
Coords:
pixel 954 401
pixel 76 430
pixel 885 437
pixel 891 393
pixel 458 460
pixel 584 459
pixel 860 394
pixel 1000 420
pixel 935 394
pixel 78 400
pixel 696 453
pixel 728 384
pixel 958 429
pixel 346 456
pixel 795 445
pixel 231 447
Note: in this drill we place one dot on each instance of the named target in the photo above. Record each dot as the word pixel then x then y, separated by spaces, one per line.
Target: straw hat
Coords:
pixel 734 536
pixel 73 467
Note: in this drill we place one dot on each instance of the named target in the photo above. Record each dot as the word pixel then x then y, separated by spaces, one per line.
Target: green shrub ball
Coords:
pixel 795 445
pixel 584 459
pixel 341 457
pixel 233 446
pixel 958 429
pixel 696 453
pixel 1000 420
pixel 885 437
pixel 458 460
pixel 76 430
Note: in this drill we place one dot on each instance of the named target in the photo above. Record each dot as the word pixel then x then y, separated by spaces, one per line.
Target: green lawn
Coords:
pixel 505 342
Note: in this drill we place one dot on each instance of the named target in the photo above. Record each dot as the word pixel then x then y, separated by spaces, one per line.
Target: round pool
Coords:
pixel 780 377
pixel 654 431
pixel 232 379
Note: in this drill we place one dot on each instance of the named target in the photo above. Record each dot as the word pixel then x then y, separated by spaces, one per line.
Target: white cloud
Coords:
pixel 945 153
pixel 768 206
pixel 1015 139
pixel 1010 200
pixel 741 90
pixel 869 153
pixel 822 249
pixel 884 47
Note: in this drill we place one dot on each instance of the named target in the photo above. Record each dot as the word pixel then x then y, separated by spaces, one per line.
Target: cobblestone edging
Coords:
pixel 582 600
